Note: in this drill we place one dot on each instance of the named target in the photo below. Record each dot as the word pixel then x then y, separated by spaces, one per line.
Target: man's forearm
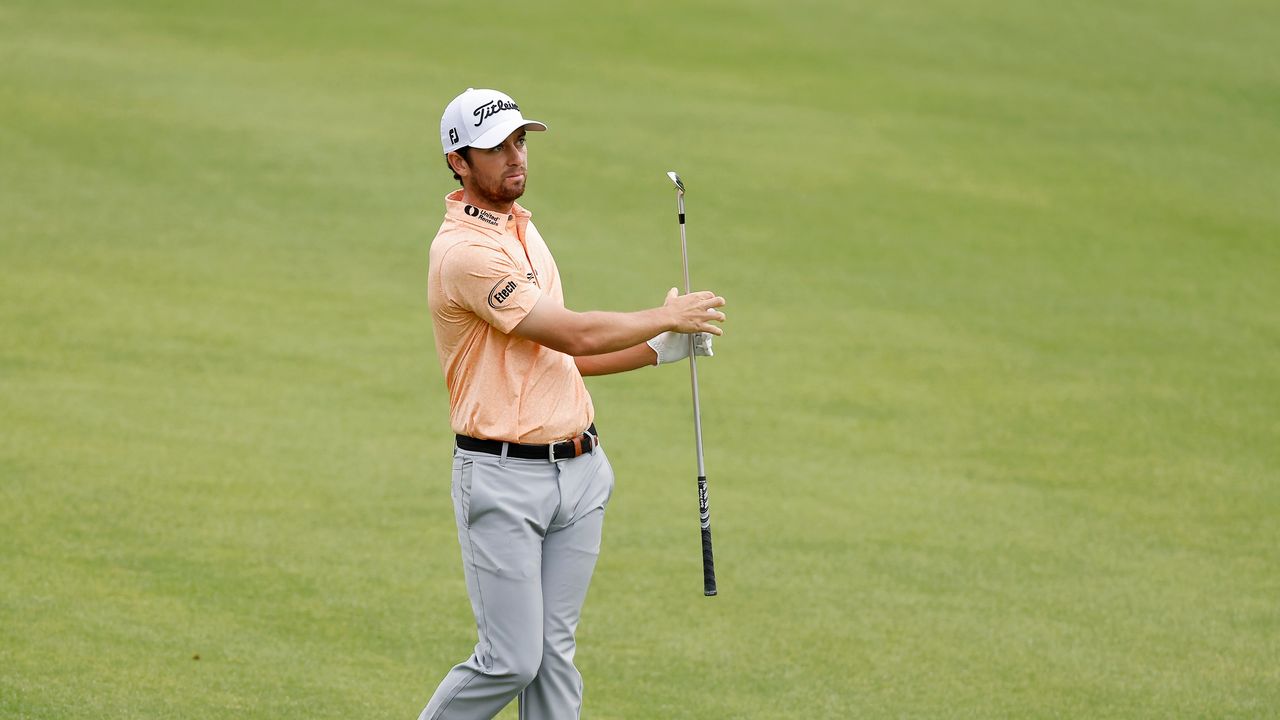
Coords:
pixel 636 356
pixel 601 333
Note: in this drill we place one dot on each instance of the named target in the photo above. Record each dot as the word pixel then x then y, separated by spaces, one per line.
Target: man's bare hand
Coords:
pixel 695 312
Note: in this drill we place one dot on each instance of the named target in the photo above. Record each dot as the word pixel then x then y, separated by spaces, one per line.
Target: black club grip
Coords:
pixel 708 560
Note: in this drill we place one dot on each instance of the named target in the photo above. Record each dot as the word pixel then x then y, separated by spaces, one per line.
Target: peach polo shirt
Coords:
pixel 487 271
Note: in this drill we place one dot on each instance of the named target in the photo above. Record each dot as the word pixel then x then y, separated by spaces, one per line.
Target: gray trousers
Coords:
pixel 530 534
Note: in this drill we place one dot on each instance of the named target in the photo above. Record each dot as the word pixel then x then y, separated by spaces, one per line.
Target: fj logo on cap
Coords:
pixel 453 135
pixel 501 292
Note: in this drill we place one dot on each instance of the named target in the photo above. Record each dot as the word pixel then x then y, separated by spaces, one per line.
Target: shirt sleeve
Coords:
pixel 486 281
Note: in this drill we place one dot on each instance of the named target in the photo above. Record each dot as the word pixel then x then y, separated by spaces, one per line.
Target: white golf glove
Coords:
pixel 672 346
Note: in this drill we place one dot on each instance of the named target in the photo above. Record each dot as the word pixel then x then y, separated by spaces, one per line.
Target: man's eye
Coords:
pixel 520 142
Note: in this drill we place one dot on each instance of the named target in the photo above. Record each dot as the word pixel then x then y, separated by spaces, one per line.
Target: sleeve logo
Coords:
pixel 502 290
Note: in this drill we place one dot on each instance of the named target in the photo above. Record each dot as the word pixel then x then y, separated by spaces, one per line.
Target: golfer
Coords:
pixel 530 478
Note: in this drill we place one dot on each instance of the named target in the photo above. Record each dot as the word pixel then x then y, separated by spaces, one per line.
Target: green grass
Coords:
pixel 994 430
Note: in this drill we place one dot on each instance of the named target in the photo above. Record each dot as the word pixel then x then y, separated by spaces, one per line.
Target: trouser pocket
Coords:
pixel 463 478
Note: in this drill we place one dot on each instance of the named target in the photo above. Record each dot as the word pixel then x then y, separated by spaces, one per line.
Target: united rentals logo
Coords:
pixel 484 215
pixel 491 108
pixel 501 292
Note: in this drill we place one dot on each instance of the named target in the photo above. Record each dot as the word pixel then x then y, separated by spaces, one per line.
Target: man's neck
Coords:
pixel 470 199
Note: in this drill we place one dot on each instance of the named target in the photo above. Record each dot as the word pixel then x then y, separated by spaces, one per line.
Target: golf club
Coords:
pixel 704 511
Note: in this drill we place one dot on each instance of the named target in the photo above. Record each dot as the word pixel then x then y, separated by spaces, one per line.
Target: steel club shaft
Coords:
pixel 704 511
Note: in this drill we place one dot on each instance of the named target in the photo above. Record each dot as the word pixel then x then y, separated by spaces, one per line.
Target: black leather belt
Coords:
pixel 555 452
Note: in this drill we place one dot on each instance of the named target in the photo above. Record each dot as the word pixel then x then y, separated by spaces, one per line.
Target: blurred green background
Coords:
pixel 994 430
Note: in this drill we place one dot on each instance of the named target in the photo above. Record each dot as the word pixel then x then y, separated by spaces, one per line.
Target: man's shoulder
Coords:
pixel 453 234
pixel 465 252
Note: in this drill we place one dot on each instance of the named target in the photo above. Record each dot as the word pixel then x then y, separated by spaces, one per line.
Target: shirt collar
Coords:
pixel 482 219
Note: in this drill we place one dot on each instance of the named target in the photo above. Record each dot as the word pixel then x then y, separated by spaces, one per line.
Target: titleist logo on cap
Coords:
pixel 493 107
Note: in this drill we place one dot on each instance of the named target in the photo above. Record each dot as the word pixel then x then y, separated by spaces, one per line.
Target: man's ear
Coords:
pixel 459 164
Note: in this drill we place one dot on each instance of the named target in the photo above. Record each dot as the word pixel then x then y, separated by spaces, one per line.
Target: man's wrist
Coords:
pixel 670 320
pixel 657 359
pixel 658 344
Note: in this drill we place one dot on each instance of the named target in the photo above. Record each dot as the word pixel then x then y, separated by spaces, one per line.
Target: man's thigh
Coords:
pixel 502 510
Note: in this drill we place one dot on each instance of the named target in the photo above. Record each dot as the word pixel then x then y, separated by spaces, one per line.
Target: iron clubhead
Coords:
pixel 676 179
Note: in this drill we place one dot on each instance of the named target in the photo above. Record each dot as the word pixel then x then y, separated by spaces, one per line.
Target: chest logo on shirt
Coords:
pixel 484 215
pixel 501 291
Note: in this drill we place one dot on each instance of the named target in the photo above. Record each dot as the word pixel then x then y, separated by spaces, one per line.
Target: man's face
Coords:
pixel 496 175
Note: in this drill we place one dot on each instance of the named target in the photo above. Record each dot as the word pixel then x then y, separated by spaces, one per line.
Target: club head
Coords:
pixel 676 179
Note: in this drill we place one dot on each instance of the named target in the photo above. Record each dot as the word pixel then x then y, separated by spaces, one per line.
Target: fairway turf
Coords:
pixel 994 430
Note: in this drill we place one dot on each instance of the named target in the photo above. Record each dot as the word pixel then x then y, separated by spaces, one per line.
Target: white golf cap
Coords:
pixel 482 119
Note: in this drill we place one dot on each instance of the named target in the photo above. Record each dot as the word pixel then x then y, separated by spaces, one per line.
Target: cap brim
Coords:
pixel 498 133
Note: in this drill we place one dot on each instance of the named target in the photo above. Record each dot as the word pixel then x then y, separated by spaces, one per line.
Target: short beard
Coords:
pixel 498 195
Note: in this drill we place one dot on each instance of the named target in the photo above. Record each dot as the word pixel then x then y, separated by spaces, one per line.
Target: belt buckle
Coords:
pixel 551 453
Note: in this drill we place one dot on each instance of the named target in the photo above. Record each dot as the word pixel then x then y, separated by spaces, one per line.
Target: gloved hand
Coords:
pixel 672 346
